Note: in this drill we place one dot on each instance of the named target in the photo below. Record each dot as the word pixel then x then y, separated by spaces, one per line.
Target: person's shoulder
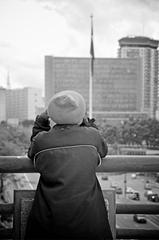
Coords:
pixel 41 135
pixel 90 130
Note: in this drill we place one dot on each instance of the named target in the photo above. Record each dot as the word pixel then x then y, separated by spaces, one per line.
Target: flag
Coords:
pixel 92 48
pixel 92 44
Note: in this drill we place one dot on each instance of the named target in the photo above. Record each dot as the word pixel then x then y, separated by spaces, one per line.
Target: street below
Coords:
pixel 112 181
pixel 137 183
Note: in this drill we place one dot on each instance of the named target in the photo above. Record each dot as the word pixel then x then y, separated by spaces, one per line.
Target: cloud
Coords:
pixel 4 44
pixel 112 18
pixel 31 29
pixel 29 65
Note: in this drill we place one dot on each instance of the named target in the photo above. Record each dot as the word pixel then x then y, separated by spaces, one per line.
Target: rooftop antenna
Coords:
pixel 8 80
pixel 143 25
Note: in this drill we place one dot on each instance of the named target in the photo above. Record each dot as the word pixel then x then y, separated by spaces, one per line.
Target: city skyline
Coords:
pixel 31 29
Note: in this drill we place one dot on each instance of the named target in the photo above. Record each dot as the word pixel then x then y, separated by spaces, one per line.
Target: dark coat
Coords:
pixel 68 203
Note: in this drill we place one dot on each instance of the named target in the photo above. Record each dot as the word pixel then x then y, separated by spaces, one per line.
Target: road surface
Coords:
pixel 29 181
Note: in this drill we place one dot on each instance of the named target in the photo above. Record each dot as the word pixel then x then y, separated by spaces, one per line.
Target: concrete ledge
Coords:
pixel 112 163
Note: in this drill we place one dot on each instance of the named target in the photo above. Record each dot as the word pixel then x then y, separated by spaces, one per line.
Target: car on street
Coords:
pixel 118 190
pixel 154 197
pixel 148 192
pixel 139 219
pixel 104 177
pixel 133 175
pixel 130 190
pixel 147 185
pixel 134 196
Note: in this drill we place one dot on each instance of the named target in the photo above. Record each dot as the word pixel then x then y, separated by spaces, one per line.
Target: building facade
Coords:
pixel 23 104
pixel 117 84
pixel 145 49
pixel 2 104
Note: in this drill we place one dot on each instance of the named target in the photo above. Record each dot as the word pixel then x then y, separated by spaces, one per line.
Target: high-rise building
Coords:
pixel 145 49
pixel 123 86
pixel 23 103
pixel 117 85
pixel 2 104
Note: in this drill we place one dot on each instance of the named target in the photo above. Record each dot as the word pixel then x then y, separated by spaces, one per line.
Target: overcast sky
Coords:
pixel 31 29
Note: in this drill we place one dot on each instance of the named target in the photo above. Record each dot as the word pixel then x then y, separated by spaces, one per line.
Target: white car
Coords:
pixel 130 190
pixel 133 176
pixel 148 192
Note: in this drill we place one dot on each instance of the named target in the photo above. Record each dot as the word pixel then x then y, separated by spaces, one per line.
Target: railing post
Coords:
pixel 125 184
pixel 109 196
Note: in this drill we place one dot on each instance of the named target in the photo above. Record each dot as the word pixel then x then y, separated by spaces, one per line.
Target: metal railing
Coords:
pixel 112 163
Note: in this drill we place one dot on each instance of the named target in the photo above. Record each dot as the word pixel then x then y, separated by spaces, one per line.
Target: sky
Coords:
pixel 31 29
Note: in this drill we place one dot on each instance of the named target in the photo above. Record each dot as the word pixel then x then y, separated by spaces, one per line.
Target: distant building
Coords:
pixel 145 49
pixel 14 122
pixel 117 85
pixel 2 104
pixel 122 87
pixel 23 103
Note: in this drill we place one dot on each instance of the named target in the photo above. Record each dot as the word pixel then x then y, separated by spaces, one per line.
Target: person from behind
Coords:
pixel 68 202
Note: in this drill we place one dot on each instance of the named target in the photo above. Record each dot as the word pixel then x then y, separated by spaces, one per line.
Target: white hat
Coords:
pixel 67 107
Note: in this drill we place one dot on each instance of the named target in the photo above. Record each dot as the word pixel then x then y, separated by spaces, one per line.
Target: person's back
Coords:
pixel 69 203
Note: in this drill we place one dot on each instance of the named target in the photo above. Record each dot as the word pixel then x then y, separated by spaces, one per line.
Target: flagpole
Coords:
pixel 91 72
pixel 90 90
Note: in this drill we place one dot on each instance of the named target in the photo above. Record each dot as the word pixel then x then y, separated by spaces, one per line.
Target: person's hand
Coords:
pixel 44 115
pixel 92 123
pixel 87 122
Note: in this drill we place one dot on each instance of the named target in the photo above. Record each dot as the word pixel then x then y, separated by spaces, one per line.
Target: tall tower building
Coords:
pixel 2 104
pixel 145 49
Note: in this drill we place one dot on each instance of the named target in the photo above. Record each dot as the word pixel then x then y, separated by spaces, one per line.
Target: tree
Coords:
pixel 128 132
pixel 27 123
pixel 134 131
pixel 13 142
pixel 111 134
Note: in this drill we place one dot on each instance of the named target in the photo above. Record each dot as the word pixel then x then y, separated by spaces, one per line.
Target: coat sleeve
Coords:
pixel 32 149
pixel 102 147
pixel 41 124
